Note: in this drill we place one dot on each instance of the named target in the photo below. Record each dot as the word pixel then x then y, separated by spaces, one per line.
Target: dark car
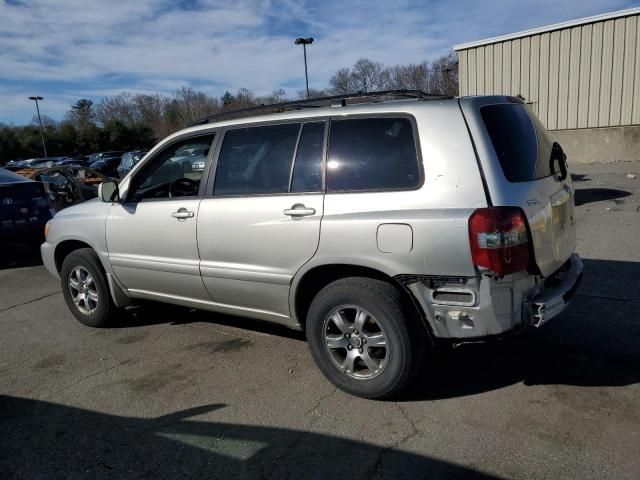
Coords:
pixel 128 161
pixel 94 157
pixel 68 185
pixel 24 209
pixel 71 161
pixel 30 163
pixel 107 165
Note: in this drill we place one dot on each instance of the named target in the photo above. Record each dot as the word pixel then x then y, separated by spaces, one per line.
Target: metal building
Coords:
pixel 582 79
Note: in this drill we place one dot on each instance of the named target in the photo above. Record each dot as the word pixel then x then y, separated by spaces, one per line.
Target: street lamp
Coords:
pixel 304 42
pixel 40 122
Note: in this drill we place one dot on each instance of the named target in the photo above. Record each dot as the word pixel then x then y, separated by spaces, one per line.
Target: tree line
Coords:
pixel 136 121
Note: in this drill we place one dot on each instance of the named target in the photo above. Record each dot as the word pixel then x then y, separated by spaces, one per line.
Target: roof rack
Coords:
pixel 336 100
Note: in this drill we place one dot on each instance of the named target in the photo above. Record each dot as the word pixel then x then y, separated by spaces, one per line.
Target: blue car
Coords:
pixel 24 209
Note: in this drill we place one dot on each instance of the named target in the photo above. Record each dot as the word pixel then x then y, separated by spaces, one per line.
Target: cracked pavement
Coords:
pixel 177 393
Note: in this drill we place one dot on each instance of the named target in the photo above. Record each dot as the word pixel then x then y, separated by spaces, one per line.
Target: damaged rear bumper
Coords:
pixel 556 294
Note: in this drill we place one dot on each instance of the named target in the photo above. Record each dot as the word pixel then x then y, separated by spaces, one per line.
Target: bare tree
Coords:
pixel 444 75
pixel 364 76
pixel 408 77
pixel 367 76
pixel 340 82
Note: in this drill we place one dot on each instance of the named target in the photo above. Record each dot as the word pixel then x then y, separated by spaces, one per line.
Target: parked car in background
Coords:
pixel 24 209
pixel 94 157
pixel 67 161
pixel 379 228
pixel 193 157
pixel 69 184
pixel 107 165
pixel 128 161
pixel 29 163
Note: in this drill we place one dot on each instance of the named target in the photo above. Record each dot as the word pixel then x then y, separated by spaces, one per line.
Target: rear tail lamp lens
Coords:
pixel 499 239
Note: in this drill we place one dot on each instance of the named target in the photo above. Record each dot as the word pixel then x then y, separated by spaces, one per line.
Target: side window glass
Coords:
pixel 256 160
pixel 174 172
pixel 307 170
pixel 372 154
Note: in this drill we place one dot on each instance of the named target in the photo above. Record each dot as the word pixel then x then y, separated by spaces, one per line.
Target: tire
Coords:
pixel 387 370
pixel 93 311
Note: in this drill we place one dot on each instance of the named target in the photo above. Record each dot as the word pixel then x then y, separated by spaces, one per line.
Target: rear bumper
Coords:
pixel 554 298
pixel 47 251
pixel 497 306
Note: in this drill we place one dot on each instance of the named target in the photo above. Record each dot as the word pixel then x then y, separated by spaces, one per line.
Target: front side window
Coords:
pixel 175 172
pixel 372 154
pixel 256 160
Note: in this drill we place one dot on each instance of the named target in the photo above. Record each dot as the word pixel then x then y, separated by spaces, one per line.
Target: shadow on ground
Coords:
pixel 591 195
pixel 47 440
pixel 595 342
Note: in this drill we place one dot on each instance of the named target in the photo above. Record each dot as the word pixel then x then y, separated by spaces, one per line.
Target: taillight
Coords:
pixel 499 239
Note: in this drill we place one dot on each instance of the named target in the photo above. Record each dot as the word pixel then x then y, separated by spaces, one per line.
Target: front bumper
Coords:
pixel 557 293
pixel 47 251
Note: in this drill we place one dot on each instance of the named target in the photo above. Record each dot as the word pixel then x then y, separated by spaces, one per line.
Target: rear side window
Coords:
pixel 256 160
pixel 307 171
pixel 372 154
pixel 521 142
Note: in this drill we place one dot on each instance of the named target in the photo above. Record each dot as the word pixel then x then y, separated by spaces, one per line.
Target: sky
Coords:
pixel 65 50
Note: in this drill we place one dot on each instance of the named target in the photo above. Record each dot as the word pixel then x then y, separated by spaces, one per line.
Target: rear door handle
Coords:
pixel 182 214
pixel 299 210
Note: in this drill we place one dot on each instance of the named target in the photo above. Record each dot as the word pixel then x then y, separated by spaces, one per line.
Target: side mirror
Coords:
pixel 108 192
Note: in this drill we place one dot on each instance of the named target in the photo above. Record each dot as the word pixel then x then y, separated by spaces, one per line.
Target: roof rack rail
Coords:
pixel 335 100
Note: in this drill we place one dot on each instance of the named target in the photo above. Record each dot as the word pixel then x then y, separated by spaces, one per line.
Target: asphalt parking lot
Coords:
pixel 172 393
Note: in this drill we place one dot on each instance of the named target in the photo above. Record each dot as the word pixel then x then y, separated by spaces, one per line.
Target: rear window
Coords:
pixel 521 142
pixel 372 154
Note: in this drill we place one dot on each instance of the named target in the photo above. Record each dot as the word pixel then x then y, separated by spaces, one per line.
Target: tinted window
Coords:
pixel 159 178
pixel 256 160
pixel 307 171
pixel 522 144
pixel 372 154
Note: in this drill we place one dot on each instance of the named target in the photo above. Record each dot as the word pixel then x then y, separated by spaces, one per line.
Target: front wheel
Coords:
pixel 364 338
pixel 85 290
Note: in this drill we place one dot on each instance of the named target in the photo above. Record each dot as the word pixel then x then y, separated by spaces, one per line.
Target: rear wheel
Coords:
pixel 364 338
pixel 85 289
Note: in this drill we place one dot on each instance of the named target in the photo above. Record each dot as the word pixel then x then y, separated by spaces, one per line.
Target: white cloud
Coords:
pixel 69 48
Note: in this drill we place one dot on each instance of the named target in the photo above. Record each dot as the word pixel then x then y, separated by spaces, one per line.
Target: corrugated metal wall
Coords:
pixel 579 77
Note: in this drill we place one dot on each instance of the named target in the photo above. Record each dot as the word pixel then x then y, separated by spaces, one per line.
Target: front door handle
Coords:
pixel 299 210
pixel 182 214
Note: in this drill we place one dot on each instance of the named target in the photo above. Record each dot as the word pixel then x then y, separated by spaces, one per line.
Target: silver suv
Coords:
pixel 378 227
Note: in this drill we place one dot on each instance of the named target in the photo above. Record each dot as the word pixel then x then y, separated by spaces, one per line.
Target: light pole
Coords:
pixel 40 122
pixel 304 42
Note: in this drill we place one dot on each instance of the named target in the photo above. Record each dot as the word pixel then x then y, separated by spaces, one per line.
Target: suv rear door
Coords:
pixel 523 168
pixel 260 220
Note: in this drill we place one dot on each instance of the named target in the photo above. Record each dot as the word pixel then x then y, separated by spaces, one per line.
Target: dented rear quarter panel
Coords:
pixel 437 212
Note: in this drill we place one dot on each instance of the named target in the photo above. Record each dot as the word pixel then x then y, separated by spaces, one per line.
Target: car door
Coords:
pixel 151 234
pixel 260 221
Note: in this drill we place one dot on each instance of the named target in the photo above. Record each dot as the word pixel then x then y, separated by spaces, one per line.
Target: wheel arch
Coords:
pixel 65 247
pixel 307 285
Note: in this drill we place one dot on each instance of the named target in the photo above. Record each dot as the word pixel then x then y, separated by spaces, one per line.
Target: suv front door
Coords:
pixel 260 221
pixel 151 235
